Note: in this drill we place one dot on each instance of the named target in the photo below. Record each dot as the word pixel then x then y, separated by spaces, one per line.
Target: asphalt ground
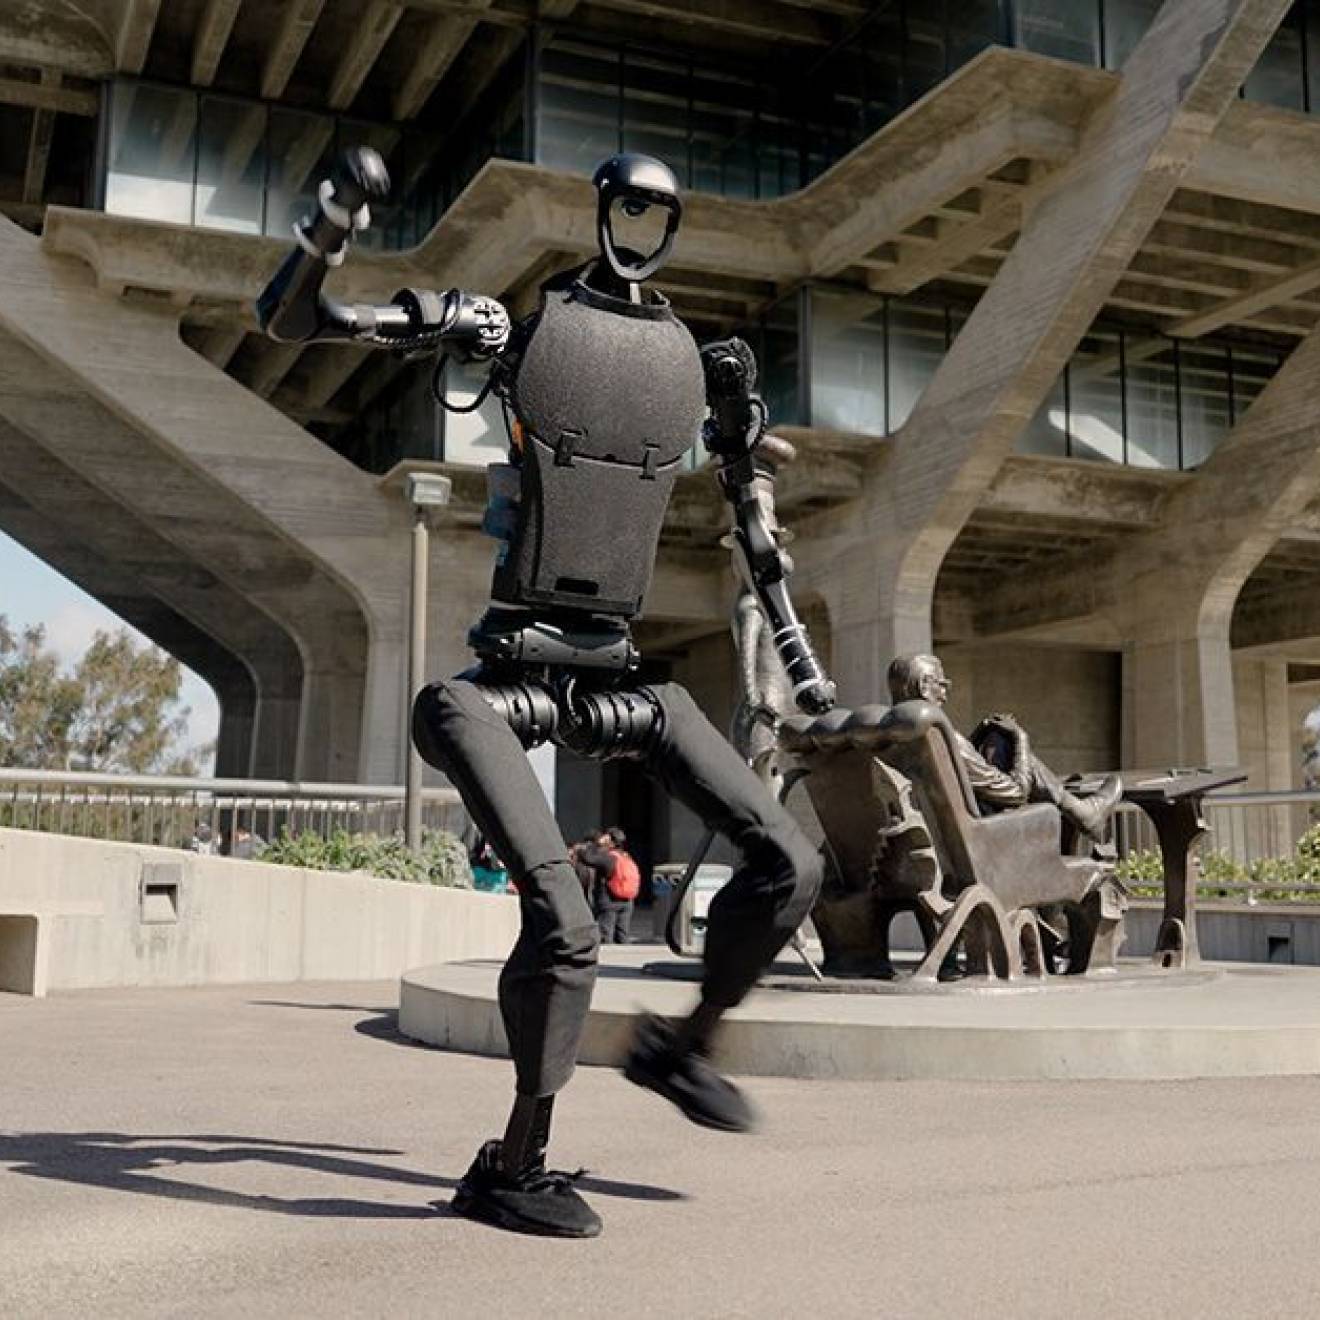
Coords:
pixel 282 1151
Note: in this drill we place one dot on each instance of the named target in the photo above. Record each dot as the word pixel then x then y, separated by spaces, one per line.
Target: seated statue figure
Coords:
pixel 998 759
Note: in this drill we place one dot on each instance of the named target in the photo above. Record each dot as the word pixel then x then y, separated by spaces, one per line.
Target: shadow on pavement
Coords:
pixel 126 1163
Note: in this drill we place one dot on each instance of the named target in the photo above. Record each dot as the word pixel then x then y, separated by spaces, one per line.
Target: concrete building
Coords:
pixel 1033 283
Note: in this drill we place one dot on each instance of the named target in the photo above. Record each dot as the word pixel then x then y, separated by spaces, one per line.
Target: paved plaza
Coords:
pixel 280 1150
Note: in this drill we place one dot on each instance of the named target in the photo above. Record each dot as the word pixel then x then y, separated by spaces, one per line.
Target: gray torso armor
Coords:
pixel 609 395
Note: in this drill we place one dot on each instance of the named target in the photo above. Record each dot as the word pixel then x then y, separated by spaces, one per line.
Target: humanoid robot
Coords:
pixel 604 392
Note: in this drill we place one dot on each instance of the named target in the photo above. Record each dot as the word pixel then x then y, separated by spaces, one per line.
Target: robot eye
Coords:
pixel 633 208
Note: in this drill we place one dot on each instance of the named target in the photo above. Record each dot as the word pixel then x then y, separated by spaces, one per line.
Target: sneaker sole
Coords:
pixel 471 1208
pixel 649 1083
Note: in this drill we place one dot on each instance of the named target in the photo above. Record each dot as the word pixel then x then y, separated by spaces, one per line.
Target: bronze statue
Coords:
pixel 766 692
pixel 998 759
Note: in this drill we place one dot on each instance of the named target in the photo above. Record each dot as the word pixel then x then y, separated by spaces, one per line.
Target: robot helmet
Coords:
pixel 636 183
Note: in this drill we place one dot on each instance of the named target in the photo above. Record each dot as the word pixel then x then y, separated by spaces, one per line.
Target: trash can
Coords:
pixel 710 878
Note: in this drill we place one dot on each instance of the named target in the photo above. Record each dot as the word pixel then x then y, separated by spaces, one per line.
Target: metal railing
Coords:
pixel 1245 829
pixel 207 814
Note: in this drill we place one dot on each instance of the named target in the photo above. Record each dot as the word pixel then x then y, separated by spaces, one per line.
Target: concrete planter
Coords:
pixel 79 913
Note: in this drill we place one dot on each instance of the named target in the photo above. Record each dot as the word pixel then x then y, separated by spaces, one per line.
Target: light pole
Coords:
pixel 427 491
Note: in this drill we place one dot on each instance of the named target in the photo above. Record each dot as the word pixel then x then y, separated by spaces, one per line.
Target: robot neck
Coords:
pixel 599 276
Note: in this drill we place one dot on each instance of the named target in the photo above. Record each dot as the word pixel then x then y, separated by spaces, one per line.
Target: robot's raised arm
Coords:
pixel 737 422
pixel 295 309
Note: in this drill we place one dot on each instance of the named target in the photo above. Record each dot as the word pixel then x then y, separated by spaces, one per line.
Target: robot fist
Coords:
pixel 359 177
pixel 815 698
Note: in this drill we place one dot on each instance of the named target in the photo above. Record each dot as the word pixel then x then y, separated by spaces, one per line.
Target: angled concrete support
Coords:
pixel 1083 231
pixel 295 531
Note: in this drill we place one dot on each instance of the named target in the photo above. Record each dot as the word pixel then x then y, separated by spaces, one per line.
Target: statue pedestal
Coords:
pixel 1219 1020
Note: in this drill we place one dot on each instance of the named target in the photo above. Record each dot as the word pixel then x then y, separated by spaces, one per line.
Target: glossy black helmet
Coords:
pixel 636 183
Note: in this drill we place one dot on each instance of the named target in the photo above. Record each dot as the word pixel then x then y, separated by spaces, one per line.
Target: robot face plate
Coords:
pixel 637 215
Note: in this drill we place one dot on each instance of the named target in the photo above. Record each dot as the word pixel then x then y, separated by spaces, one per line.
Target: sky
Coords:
pixel 31 592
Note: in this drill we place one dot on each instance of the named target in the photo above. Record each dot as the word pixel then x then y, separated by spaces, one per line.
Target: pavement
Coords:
pixel 282 1151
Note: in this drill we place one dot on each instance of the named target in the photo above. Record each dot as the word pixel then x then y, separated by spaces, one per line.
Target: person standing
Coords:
pixel 617 888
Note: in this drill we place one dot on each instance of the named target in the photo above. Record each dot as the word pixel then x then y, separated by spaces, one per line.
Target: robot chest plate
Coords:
pixel 621 387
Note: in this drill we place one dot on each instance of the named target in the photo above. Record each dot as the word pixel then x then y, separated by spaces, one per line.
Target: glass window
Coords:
pixel 917 345
pixel 973 25
pixel 1066 29
pixel 580 106
pixel 1252 370
pixel 1126 22
pixel 1095 398
pixel 301 149
pixel 778 353
pixel 1310 14
pixel 926 59
pixel 231 165
pixel 1278 78
pixel 724 134
pixel 1152 407
pixel 848 362
pixel 655 110
pixel 1206 414
pixel 1047 432
pixel 152 153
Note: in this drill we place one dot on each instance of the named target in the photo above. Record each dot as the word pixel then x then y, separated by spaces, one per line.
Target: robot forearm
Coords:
pixel 763 564
pixel 293 307
pixel 737 421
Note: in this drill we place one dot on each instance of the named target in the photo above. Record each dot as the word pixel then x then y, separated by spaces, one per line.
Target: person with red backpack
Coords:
pixel 617 887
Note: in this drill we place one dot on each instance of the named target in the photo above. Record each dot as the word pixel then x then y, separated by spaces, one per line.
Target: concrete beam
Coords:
pixel 324 371
pixel 998 108
pixel 51 96
pixel 1261 155
pixel 445 37
pixel 68 39
pixel 219 344
pixel 295 29
pixel 1258 298
pixel 212 36
pixel 273 363
pixel 1073 248
pixel 127 565
pixel 373 30
pixel 957 242
pixel 137 21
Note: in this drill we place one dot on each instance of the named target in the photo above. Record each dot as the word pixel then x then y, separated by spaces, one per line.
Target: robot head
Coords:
pixel 634 184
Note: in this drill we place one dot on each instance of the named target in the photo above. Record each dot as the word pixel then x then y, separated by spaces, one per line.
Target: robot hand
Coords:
pixel 359 177
pixel 737 415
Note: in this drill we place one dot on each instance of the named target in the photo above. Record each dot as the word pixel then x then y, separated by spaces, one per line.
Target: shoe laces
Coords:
pixel 541 1179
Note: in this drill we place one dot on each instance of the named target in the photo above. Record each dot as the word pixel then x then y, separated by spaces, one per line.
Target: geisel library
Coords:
pixel 1033 284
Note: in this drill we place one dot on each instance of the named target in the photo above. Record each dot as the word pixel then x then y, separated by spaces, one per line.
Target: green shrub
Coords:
pixel 442 859
pixel 1274 879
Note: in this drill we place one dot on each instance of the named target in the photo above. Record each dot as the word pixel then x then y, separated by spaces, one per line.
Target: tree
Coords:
pixel 118 710
pixel 38 704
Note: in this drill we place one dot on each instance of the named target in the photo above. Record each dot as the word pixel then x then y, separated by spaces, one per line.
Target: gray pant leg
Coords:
pixel 772 891
pixel 546 985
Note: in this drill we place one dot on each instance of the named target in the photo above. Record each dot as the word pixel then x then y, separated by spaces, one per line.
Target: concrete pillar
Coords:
pixel 1267 739
pixel 1178 703
pixel 1073 247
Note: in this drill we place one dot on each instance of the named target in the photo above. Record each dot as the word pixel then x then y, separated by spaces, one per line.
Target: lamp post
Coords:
pixel 426 492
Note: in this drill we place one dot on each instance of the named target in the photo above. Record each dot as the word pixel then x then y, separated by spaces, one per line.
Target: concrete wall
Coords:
pixel 1269 741
pixel 1066 698
pixel 1236 932
pixel 114 914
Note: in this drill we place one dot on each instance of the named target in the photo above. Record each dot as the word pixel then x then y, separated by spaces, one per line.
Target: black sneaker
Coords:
pixel 536 1200
pixel 686 1078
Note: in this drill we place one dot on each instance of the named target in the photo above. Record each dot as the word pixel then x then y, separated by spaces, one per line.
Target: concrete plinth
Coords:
pixel 1221 1021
